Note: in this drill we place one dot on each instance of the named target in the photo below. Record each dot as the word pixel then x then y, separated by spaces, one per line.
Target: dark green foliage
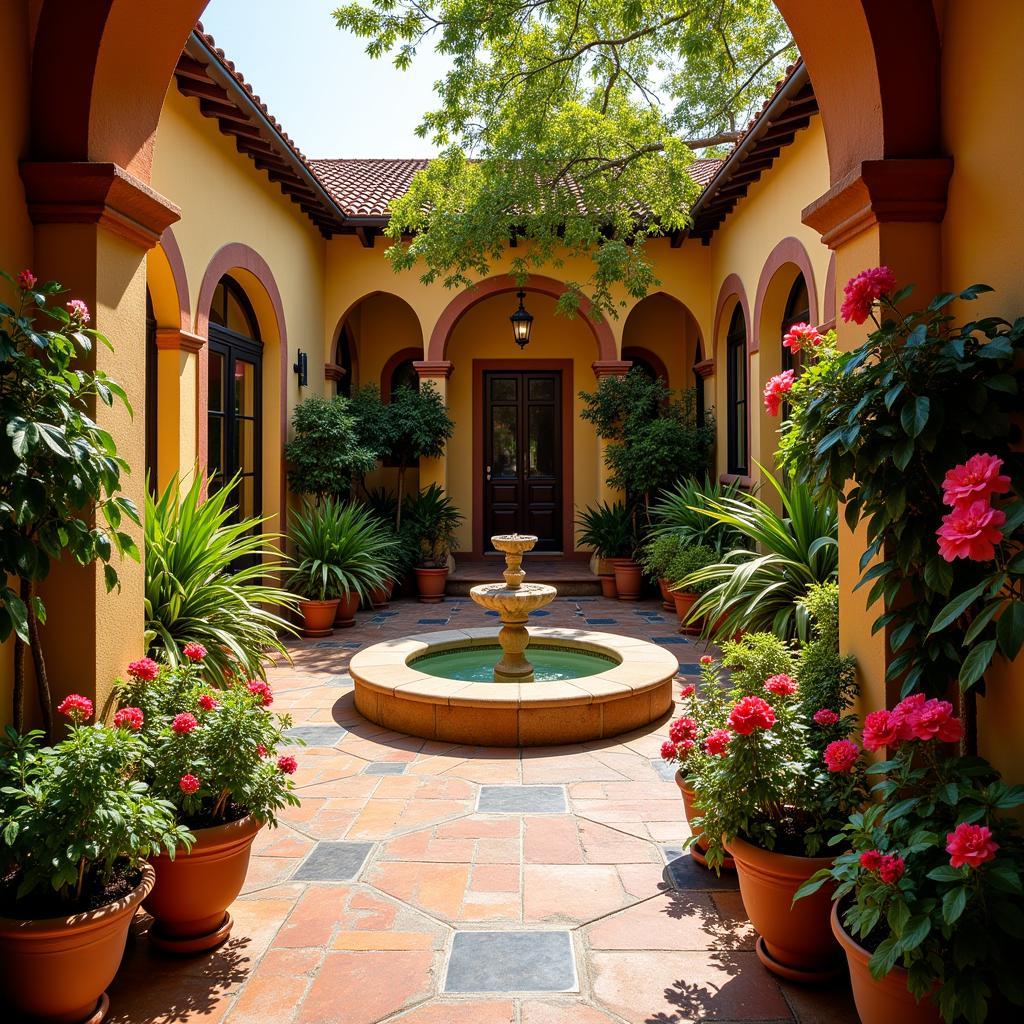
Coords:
pixel 608 529
pixel 431 519
pixel 690 560
pixel 678 510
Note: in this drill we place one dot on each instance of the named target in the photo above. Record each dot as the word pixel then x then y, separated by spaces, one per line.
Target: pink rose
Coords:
pixel 188 784
pixel 934 720
pixel 258 688
pixel 779 385
pixel 287 765
pixel 864 290
pixel 688 690
pixel 801 336
pixel 871 860
pixel 207 701
pixel 751 713
pixel 976 479
pixel 781 685
pixel 145 670
pixel 79 313
pixel 717 743
pixel 971 531
pixel 825 716
pixel 706 659
pixel 841 755
pixel 972 845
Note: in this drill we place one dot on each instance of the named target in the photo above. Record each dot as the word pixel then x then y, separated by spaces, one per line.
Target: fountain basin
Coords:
pixel 632 688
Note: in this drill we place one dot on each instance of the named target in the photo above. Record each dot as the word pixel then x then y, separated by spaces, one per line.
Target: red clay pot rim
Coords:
pixel 795 864
pixel 42 926
pixel 428 570
pixel 231 832
pixel 303 603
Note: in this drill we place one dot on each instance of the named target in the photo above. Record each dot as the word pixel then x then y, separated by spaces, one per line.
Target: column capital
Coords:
pixel 434 368
pixel 878 192
pixel 704 369
pixel 611 367
pixel 86 192
pixel 175 339
pixel 334 371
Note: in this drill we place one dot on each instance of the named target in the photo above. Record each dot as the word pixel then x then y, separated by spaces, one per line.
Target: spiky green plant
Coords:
pixel 678 511
pixel 205 583
pixel 762 589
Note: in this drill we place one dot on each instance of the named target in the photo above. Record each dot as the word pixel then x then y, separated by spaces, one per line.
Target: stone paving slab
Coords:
pixel 333 862
pixel 521 800
pixel 511 962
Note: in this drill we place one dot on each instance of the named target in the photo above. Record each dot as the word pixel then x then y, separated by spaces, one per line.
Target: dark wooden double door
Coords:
pixel 523 456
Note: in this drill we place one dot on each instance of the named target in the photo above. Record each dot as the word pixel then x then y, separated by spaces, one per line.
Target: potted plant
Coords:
pixel 609 530
pixel 212 754
pixel 432 519
pixel 76 827
pixel 655 557
pixel 929 901
pixel 685 584
pixel 771 794
pixel 313 577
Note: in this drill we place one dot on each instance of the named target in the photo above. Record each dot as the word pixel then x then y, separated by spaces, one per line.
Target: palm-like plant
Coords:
pixel 679 511
pixel 342 549
pixel 204 583
pixel 431 519
pixel 760 590
pixel 608 529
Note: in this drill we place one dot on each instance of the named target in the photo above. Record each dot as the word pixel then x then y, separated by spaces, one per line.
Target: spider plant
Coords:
pixel 431 519
pixel 761 589
pixel 205 583
pixel 679 511
pixel 608 529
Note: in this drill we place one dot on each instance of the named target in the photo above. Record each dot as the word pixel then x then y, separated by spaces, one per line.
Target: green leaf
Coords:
pixel 975 663
pixel 953 903
pixel 1010 629
pixel 955 608
pixel 915 933
pixel 914 416
pixel 938 574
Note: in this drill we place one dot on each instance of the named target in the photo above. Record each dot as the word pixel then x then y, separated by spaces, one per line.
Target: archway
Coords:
pixel 661 331
pixel 732 333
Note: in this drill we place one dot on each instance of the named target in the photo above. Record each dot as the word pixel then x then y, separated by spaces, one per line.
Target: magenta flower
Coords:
pixel 779 385
pixel 976 479
pixel 971 531
pixel 864 290
pixel 76 707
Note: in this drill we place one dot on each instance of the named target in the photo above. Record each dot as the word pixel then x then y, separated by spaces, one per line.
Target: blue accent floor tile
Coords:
pixel 666 640
pixel 386 615
pixel 685 873
pixel 495 614
pixel 521 800
pixel 665 769
pixel 433 622
pixel 352 645
pixel 333 862
pixel 534 961
pixel 540 613
pixel 385 768
pixel 330 645
pixel 601 622
pixel 689 669
pixel 325 735
pixel 341 679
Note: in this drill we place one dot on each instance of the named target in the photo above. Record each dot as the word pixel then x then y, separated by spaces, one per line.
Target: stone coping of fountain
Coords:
pixel 634 691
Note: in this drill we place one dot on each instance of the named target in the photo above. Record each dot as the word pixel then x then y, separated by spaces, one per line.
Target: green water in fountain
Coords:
pixel 476 664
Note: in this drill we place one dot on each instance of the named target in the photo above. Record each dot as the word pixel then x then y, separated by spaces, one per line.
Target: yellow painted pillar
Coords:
pixel 93 225
pixel 437 371
pixel 605 492
pixel 177 404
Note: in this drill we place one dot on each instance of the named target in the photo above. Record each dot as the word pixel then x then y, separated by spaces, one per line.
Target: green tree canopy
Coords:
pixel 570 123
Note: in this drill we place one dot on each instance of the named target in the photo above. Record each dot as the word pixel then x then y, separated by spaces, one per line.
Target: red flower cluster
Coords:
pixel 194 651
pixel 825 716
pixel 669 752
pixel 781 685
pixel 914 718
pixel 27 280
pixel 188 784
pixel 682 729
pixel 779 385
pixel 864 290
pixel 706 659
pixel 261 750
pixel 717 743
pixel 972 845
pixel 972 529
pixel 287 765
pixel 841 755
pixel 688 690
pixel 129 718
pixel 79 313
pixel 801 336
pixel 259 688
pixel 145 670
pixel 76 707
pixel 888 866
pixel 184 723
pixel 207 701
pixel 751 713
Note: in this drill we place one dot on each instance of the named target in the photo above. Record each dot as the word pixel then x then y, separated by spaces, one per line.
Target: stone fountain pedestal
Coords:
pixel 513 600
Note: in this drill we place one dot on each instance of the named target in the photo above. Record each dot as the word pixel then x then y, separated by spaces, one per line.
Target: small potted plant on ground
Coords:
pixel 656 556
pixel 771 795
pixel 929 901
pixel 609 530
pixel 684 588
pixel 76 827
pixel 314 577
pixel 432 519
pixel 213 755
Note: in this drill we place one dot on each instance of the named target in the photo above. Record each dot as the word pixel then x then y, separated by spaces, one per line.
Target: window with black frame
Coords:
pixel 151 395
pixel 235 398
pixel 736 394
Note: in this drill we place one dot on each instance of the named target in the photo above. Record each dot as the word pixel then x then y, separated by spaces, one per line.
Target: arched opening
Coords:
pixel 660 335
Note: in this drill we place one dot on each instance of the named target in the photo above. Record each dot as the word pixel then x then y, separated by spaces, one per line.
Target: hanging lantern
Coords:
pixel 522 322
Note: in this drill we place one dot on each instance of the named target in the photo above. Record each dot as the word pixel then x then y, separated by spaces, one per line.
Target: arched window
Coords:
pixel 151 394
pixel 235 398
pixel 698 381
pixel 403 374
pixel 798 310
pixel 343 358
pixel 736 394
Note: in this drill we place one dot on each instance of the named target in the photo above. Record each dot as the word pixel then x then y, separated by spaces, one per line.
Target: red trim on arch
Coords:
pixel 789 250
pixel 829 304
pixel 401 356
pixel 499 285
pixel 169 244
pixel 731 286
pixel 631 353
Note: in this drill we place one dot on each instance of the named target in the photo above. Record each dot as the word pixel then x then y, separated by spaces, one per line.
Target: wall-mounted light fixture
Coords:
pixel 301 368
pixel 522 322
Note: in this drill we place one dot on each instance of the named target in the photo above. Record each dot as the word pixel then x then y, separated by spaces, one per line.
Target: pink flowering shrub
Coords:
pixel 802 336
pixel 704 714
pixel 929 873
pixel 776 389
pixel 212 753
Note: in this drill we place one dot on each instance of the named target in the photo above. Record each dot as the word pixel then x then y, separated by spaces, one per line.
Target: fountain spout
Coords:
pixel 513 601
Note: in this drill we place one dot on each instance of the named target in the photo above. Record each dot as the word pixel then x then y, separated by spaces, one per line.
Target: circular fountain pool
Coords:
pixel 476 664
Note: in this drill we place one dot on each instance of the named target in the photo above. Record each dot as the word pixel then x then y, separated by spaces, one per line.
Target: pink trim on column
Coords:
pixel 829 305
pixel 789 250
pixel 238 255
pixel 499 285
pixel 169 244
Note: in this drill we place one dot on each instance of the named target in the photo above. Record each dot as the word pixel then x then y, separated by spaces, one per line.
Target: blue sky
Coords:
pixel 331 98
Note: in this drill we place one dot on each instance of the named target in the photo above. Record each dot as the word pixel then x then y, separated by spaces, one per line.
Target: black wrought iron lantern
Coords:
pixel 522 322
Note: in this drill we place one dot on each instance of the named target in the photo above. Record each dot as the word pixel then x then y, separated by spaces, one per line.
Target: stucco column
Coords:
pixel 605 492
pixel 437 371
pixel 93 225
pixel 177 446
pixel 888 214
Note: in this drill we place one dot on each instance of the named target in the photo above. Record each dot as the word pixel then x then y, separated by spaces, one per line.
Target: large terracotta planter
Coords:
pixel 56 970
pixel 886 1000
pixel 795 940
pixel 345 616
pixel 608 586
pixel 690 806
pixel 380 596
pixel 667 597
pixel 684 600
pixel 190 899
pixel 629 579
pixel 430 583
pixel 318 617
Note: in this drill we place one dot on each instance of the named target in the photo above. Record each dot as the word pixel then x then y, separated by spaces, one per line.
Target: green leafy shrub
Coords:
pixel 205 583
pixel 608 529
pixel 431 519
pixel 658 554
pixel 683 568
pixel 755 657
pixel 76 821
pixel 678 510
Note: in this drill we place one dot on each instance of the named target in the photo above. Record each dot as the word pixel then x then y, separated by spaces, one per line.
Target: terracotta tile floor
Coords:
pixel 375 948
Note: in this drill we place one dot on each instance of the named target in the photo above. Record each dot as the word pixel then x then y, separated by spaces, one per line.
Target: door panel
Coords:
pixel 523 449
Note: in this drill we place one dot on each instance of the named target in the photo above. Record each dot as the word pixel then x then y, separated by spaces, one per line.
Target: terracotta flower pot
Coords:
pixel 193 891
pixel 629 580
pixel 684 600
pixel 430 583
pixel 885 1000
pixel 690 806
pixel 55 970
pixel 345 616
pixel 608 586
pixel 667 597
pixel 380 596
pixel 318 617
pixel 795 940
